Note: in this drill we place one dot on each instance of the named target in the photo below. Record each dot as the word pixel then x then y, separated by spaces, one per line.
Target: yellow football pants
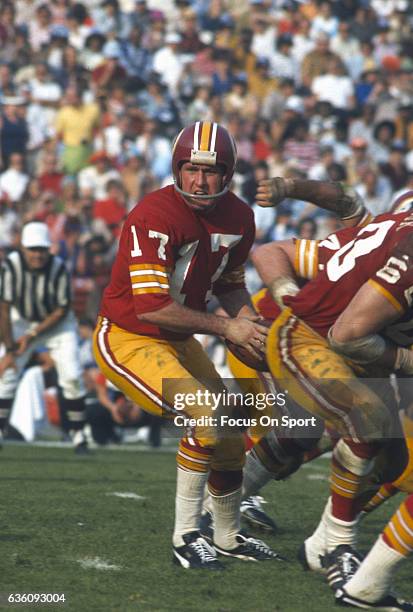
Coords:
pixel 323 383
pixel 153 373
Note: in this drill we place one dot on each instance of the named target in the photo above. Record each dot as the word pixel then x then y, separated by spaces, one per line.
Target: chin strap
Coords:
pixel 213 196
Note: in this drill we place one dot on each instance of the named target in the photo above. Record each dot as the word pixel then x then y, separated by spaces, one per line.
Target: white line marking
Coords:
pixel 97 563
pixel 127 495
pixel 317 477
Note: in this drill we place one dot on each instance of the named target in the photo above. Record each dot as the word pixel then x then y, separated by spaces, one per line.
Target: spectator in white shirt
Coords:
pixel 168 62
pixel 282 64
pixel 334 87
pixel 324 22
pixel 14 180
pixel 345 45
pixel 93 179
pixel 303 43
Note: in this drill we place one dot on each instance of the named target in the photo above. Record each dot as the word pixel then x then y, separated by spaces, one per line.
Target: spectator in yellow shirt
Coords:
pixel 75 125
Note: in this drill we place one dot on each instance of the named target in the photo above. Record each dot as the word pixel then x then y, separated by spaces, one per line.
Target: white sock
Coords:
pixel 340 532
pixel 190 488
pixel 226 519
pixel 372 581
pixel 316 544
pixel 255 476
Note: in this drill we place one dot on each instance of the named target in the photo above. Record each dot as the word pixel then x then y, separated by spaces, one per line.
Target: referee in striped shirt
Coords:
pixel 35 311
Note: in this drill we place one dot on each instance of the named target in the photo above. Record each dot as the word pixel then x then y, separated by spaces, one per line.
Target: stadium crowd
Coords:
pixel 92 94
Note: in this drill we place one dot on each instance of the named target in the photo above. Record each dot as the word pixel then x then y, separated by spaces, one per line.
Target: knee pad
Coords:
pixel 279 458
pixel 344 455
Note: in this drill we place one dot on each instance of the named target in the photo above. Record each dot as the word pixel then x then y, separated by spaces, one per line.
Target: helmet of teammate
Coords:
pixel 204 143
pixel 403 203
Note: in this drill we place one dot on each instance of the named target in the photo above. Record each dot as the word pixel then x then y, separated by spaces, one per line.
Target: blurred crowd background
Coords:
pixel 92 94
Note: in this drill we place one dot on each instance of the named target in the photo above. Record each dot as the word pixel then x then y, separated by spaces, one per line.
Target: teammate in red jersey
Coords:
pixel 376 261
pixel 178 246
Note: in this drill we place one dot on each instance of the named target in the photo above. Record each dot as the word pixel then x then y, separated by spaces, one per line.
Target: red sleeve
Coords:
pixel 150 260
pixel 395 279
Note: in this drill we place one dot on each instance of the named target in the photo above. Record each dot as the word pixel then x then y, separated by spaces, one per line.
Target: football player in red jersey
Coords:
pixel 383 280
pixel 178 246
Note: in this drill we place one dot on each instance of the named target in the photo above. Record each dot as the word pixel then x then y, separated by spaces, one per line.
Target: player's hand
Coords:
pixel 22 344
pixel 249 334
pixel 271 192
pixel 6 362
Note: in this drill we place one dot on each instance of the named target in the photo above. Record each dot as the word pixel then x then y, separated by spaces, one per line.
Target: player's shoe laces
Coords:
pixel 311 560
pixel 196 553
pixel 390 603
pixel 250 549
pixel 254 515
pixel 341 564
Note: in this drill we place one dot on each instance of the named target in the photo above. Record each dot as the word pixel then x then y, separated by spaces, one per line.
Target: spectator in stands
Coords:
pixel 75 125
pixel 14 180
pixel 317 61
pixel 14 133
pixel 93 178
pixel 300 147
pixel 375 190
pixel 360 161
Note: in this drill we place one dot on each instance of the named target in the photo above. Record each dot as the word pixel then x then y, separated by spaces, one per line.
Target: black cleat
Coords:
pixel 341 565
pixel 250 549
pixel 254 515
pixel 196 553
pixel 390 603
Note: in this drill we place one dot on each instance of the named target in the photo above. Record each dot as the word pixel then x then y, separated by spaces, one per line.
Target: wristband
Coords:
pixel 32 332
pixel 282 286
pixel 404 361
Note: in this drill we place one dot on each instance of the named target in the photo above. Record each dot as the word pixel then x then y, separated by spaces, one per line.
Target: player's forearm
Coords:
pixel 50 321
pixel 178 318
pixel 273 261
pixel 334 197
pixel 237 303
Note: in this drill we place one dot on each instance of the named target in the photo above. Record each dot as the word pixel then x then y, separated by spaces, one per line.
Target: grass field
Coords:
pixel 64 531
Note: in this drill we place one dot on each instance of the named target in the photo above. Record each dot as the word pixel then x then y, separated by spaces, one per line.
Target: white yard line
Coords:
pixel 98 563
pixel 317 476
pixel 127 495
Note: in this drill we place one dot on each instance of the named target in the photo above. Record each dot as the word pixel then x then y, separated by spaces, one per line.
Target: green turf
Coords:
pixel 56 511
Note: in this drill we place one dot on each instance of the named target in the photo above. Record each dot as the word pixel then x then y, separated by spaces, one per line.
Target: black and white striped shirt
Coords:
pixel 35 294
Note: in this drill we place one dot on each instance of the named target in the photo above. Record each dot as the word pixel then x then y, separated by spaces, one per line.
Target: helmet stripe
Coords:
pixel 196 136
pixel 205 134
pixel 213 137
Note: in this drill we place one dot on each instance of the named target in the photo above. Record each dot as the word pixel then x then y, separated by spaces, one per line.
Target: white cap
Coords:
pixel 36 234
pixel 173 38
pixel 295 103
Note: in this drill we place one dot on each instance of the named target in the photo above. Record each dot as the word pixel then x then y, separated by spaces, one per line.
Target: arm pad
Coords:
pixel 351 205
pixel 284 285
pixel 404 361
pixel 363 350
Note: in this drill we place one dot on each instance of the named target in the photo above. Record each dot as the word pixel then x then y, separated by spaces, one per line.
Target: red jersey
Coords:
pixel 169 252
pixel 380 253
